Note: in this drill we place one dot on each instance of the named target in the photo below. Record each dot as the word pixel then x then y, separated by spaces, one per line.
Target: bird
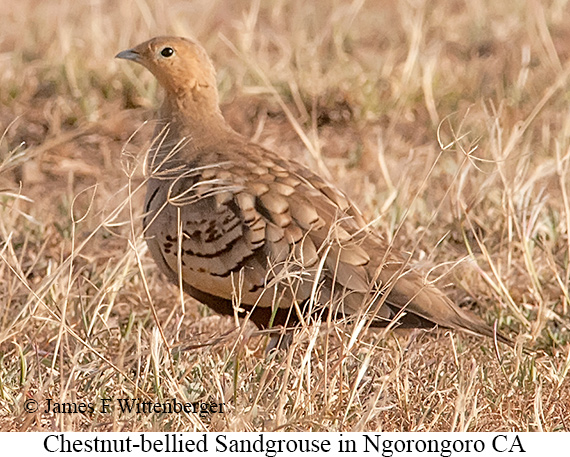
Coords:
pixel 251 233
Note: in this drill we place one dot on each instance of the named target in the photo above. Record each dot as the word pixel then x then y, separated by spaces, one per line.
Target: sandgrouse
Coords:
pixel 246 231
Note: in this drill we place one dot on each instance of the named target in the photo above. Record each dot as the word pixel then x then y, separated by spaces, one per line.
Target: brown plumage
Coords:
pixel 247 231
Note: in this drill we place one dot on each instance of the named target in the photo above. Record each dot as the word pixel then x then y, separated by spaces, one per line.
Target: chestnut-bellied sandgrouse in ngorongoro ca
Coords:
pixel 247 231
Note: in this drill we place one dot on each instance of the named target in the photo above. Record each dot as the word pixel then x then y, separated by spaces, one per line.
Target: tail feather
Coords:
pixel 432 305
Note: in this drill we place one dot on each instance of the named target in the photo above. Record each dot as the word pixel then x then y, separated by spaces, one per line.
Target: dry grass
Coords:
pixel 449 124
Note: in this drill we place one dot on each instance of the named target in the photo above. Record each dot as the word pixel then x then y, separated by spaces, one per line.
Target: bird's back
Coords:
pixel 244 230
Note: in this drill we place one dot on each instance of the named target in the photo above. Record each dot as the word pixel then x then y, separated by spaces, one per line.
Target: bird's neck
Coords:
pixel 188 124
pixel 196 111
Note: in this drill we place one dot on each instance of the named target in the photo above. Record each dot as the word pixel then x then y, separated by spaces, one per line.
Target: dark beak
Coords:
pixel 129 54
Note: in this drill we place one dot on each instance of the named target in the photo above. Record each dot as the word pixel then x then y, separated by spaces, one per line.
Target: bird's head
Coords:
pixel 180 65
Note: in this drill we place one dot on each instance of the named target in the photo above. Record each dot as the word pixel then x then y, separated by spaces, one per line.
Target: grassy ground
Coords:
pixel 448 122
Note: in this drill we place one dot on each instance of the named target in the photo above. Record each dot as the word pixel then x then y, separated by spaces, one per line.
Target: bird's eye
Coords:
pixel 167 52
